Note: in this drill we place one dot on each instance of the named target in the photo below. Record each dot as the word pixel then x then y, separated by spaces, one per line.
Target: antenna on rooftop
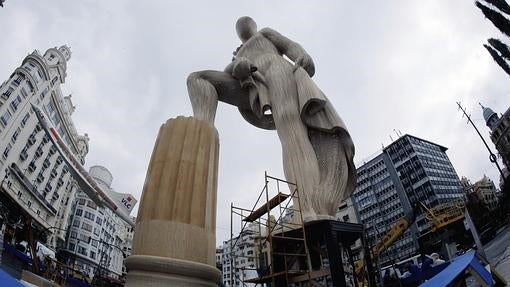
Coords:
pixel 492 156
pixel 398 136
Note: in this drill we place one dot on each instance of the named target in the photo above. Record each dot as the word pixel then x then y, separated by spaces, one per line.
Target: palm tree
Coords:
pixel 498 59
pixel 499 51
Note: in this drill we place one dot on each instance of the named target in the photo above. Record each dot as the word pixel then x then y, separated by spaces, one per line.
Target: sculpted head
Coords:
pixel 245 27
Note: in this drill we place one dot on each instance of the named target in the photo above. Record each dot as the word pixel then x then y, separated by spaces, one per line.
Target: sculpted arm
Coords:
pixel 291 49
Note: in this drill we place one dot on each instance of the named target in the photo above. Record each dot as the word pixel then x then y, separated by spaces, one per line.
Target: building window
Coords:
pixel 40 178
pixel 89 215
pixel 6 151
pixel 92 255
pixel 4 119
pixel 51 108
pixel 25 120
pixel 92 205
pixel 99 220
pixel 44 93
pixel 30 66
pixel 76 223
pixel 82 250
pixel 84 238
pixel 7 93
pixel 73 234
pixel 81 201
pixel 15 103
pixel 19 79
pixel 60 130
pixel 86 226
pixel 15 135
pixel 24 92
pixel 79 212
pixel 30 86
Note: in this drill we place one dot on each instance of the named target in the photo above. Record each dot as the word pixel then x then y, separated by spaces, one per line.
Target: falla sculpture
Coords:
pixel 273 93
pixel 174 239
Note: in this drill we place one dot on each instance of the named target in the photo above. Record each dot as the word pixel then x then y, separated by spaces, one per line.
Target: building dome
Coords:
pixel 101 173
pixel 489 116
pixel 488 113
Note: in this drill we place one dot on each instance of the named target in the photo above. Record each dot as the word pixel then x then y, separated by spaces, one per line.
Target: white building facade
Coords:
pixel 98 238
pixel 346 211
pixel 240 264
pixel 36 183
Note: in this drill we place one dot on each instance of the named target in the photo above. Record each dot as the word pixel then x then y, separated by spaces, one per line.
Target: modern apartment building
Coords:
pixel 98 238
pixel 239 264
pixel 409 171
pixel 36 184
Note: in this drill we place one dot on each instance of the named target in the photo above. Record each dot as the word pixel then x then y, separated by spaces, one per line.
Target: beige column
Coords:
pixel 174 240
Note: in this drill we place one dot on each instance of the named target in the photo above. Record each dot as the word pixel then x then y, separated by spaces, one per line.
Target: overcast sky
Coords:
pixel 395 65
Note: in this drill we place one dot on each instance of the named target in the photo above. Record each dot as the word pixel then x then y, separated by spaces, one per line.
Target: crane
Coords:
pixel 397 229
pixel 445 213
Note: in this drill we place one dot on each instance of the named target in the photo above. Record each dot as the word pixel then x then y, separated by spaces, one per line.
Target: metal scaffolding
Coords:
pixel 276 227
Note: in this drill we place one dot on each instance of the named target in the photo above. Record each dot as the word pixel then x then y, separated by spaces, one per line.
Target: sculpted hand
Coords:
pixel 243 70
pixel 306 62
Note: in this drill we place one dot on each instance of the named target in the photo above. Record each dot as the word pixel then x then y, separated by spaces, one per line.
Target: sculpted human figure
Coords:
pixel 273 93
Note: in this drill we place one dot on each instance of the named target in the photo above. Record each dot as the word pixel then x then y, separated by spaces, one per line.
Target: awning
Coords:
pixel 8 281
pixel 457 268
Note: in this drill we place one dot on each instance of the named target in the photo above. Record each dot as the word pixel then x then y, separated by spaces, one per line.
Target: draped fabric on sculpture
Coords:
pixel 328 135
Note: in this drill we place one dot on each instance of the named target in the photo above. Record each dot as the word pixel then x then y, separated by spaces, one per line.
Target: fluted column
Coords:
pixel 174 239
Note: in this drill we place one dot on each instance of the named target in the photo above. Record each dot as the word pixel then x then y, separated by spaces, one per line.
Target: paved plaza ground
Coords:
pixel 498 252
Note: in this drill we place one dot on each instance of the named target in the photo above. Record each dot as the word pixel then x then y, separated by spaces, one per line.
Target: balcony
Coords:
pixel 23 156
pixel 46 163
pixel 31 140
pixel 31 167
pixel 31 188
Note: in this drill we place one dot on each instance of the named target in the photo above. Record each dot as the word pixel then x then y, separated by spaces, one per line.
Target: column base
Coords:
pixel 154 271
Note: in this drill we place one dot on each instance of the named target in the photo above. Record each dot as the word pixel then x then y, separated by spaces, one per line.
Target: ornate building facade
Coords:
pixel 499 126
pixel 36 184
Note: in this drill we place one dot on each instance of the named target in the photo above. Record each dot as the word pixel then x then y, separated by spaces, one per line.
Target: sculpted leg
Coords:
pixel 203 96
pixel 299 160
pixel 206 88
pixel 300 165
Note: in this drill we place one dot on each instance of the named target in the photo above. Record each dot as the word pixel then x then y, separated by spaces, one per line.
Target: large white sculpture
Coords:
pixel 272 93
